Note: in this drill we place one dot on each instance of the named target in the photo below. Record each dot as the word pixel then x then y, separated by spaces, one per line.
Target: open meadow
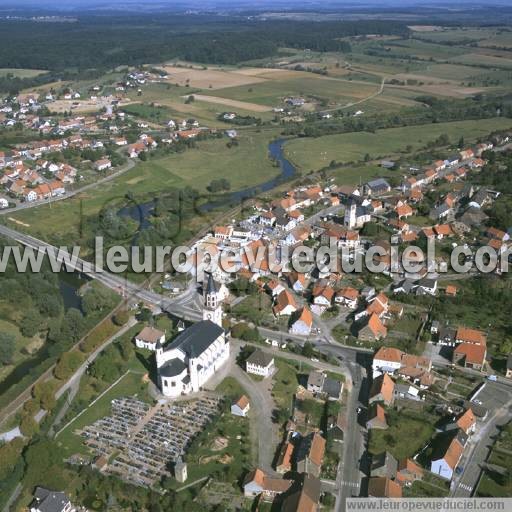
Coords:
pixel 315 153
pixel 243 165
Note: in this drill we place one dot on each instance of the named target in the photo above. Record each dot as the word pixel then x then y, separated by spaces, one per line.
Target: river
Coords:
pixel 142 213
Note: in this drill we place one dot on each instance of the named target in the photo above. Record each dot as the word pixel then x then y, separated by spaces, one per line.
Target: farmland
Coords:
pixel 352 147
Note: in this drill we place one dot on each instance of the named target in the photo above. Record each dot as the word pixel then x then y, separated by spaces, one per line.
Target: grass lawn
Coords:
pixel 243 165
pixel 286 380
pixel 256 308
pixel 130 385
pixel 421 489
pixel 315 153
pixel 408 432
pixel 493 483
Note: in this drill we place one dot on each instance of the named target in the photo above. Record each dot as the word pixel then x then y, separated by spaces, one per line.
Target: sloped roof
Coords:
pixel 197 338
pixel 474 336
pixel 384 386
pixel 466 421
pixel 389 354
pixel 382 487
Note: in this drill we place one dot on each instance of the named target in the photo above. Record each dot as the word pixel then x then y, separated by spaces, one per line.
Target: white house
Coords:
pixel 149 337
pixel 30 196
pixel 445 462
pixel 303 324
pixel 347 297
pixel 103 164
pixel 196 354
pixel 388 360
pixel 260 363
pixel 241 407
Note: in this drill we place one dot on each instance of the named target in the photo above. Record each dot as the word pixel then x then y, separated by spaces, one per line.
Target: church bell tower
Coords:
pixel 212 309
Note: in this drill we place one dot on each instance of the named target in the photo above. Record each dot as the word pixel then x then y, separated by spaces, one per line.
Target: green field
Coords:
pixel 243 165
pixel 352 147
pixel 478 59
pixel 272 93
pixel 21 73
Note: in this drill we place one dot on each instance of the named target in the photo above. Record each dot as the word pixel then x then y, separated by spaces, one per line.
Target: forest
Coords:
pixel 96 42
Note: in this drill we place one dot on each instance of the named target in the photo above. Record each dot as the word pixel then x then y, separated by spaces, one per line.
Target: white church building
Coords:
pixel 193 357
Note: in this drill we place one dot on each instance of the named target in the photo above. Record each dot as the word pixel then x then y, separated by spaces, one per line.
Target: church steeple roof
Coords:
pixel 211 286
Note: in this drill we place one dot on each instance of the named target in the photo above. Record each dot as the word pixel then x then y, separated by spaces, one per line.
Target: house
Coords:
pixel 408 472
pixel 376 187
pixel 306 499
pixel 310 454
pixel 382 390
pixel 149 337
pixel 470 356
pixel 30 195
pixel 382 487
pixel 441 212
pixel 257 482
pixel 379 305
pixel 451 290
pixel 297 235
pixel 319 383
pixel 4 202
pixel 467 422
pixel 102 164
pixel 446 336
pixel 471 336
pixel 337 426
pixel 384 464
pixel 260 363
pixel 322 297
pixel 223 232
pixel 372 329
pixel 426 286
pixel 284 459
pixel 448 455
pixel 285 304
pixel 405 391
pixel 50 501
pixel 241 407
pixel 303 324
pixel 386 360
pixel 376 417
pixel 297 281
pixel 275 287
pixel 405 286
pixel 347 297
pixel 452 160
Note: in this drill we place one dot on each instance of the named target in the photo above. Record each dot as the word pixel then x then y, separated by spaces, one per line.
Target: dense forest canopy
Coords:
pixel 97 42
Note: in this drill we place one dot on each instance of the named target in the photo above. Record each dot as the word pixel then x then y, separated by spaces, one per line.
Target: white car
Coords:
pixel 477 402
pixel 315 360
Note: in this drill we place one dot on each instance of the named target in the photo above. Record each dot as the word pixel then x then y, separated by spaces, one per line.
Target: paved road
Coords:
pixel 496 398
